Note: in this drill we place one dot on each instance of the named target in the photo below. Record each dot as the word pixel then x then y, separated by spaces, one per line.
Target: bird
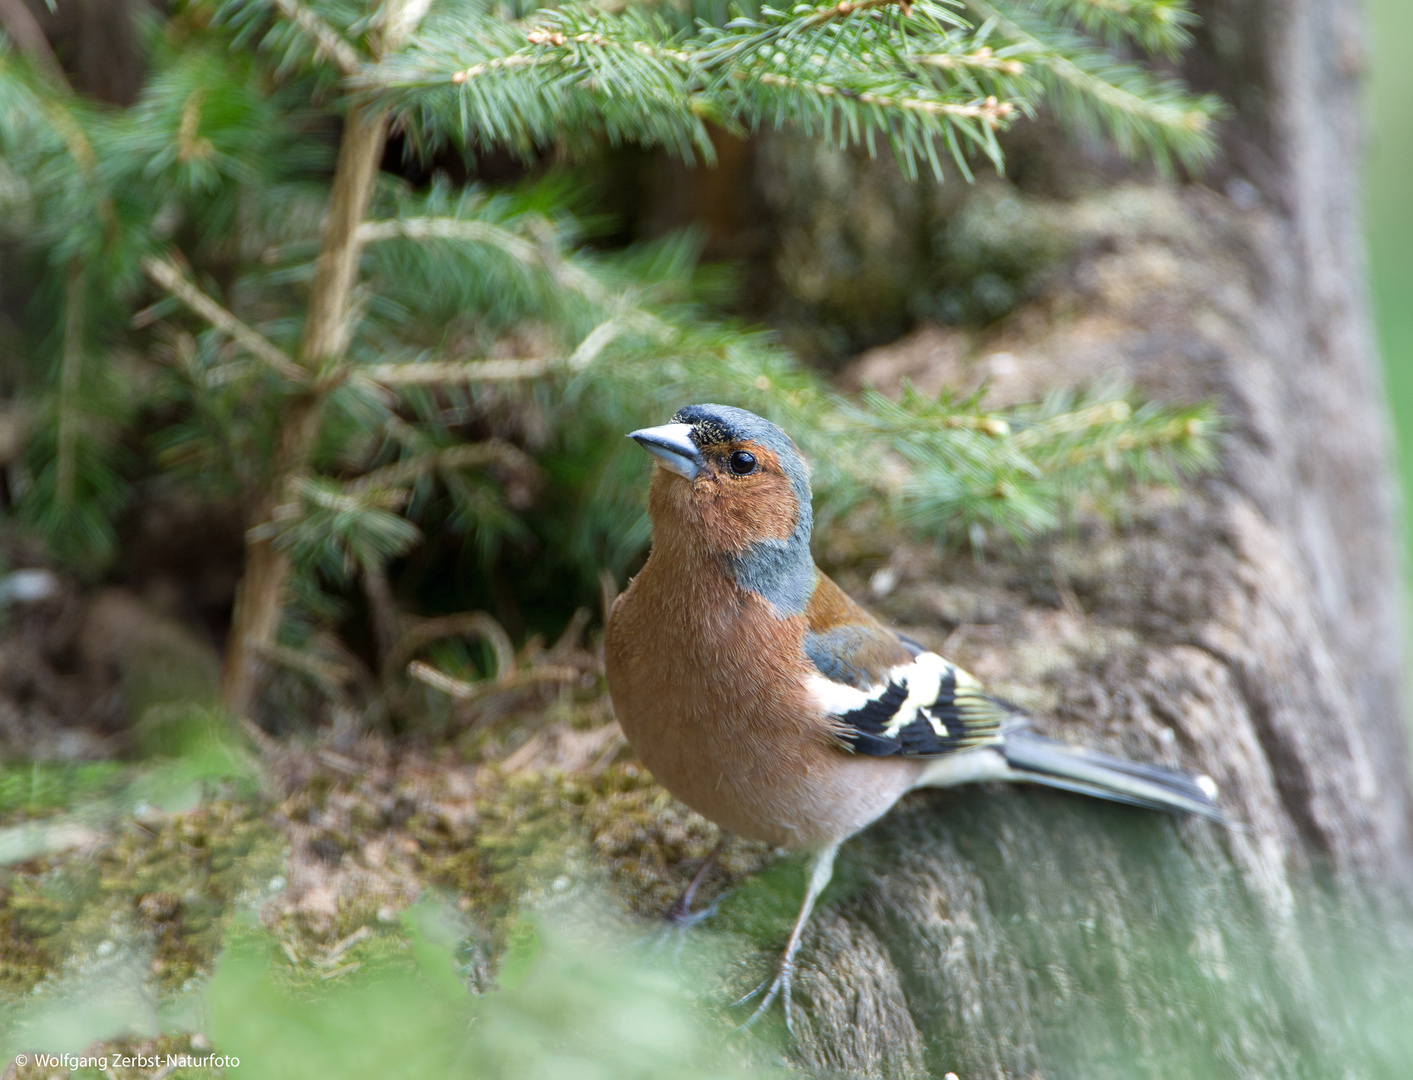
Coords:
pixel 761 695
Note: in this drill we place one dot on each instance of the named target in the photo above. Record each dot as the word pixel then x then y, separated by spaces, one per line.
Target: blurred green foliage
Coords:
pixel 493 358
pixel 1390 215
pixel 576 991
pixel 35 788
pixel 571 1001
pixel 566 1000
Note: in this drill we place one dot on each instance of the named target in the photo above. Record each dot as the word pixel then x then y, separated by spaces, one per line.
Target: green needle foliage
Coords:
pixel 473 369
pixel 927 78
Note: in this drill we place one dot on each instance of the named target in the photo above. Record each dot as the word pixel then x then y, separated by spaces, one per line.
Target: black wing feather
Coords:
pixel 961 716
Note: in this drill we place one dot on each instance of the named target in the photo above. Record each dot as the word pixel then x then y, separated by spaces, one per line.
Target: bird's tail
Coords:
pixel 1034 758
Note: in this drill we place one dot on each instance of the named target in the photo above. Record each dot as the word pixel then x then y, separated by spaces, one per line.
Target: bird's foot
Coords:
pixel 678 919
pixel 778 987
pixel 683 917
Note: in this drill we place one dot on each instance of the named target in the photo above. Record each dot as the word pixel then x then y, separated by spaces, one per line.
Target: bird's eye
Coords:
pixel 742 463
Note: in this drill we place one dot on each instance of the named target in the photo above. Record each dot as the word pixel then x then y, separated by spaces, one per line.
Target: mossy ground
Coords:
pixel 539 804
pixel 169 883
pixel 335 846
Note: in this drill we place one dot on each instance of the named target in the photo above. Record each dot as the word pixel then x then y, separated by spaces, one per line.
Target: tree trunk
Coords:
pixel 1249 628
pixel 255 622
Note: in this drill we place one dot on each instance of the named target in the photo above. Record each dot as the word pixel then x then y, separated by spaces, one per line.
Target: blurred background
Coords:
pixel 1391 211
pixel 312 873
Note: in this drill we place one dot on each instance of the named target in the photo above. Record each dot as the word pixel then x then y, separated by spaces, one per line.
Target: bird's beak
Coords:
pixel 672 445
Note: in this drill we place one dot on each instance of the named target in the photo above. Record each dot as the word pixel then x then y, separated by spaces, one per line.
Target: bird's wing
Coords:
pixel 886 694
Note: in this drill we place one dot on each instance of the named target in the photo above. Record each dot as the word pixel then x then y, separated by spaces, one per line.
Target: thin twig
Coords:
pixel 572 635
pixel 509 370
pixel 483 232
pixel 608 591
pixel 28 36
pixel 328 42
pixel 594 342
pixel 174 281
pixel 991 110
pixel 457 371
pixel 363 933
pixel 330 675
pixel 419 633
pixel 401 473
pixel 70 371
pixel 984 59
pixel 466 691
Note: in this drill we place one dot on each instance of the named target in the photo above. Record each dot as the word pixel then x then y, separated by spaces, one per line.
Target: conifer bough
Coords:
pixel 316 339
pixel 917 75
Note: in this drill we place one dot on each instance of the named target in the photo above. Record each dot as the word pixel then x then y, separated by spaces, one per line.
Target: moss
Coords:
pixel 23 961
pixel 535 829
pixel 644 836
pixel 176 883
pixel 498 841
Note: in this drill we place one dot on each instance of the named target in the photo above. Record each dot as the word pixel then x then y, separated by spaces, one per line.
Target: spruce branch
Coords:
pixel 402 473
pixel 597 339
pixel 972 472
pixel 536 246
pixel 434 372
pixel 1159 26
pixel 328 43
pixel 915 75
pixel 169 277
pixel 534 255
pixel 324 524
pixel 338 475
pixel 1089 88
pixel 572 73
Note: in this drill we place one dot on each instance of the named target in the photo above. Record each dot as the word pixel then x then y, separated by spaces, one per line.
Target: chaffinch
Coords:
pixel 759 694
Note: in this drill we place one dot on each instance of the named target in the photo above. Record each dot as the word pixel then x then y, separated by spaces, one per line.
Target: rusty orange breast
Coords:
pixel 709 686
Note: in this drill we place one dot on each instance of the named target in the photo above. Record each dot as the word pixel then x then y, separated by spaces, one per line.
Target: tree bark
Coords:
pixel 1249 628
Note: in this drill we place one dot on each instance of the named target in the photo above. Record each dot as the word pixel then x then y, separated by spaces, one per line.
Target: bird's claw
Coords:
pixel 677 923
pixel 683 917
pixel 778 987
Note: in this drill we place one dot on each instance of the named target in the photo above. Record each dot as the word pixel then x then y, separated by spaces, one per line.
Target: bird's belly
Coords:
pixel 757 771
pixel 710 691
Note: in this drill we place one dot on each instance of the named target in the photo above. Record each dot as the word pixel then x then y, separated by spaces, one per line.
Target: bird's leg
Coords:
pixel 680 913
pixel 821 870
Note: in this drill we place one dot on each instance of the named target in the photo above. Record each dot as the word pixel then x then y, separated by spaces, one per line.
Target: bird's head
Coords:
pixel 732 484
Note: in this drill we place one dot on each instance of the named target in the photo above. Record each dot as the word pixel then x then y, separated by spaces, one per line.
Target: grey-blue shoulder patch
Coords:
pixel 831 651
pixel 782 571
